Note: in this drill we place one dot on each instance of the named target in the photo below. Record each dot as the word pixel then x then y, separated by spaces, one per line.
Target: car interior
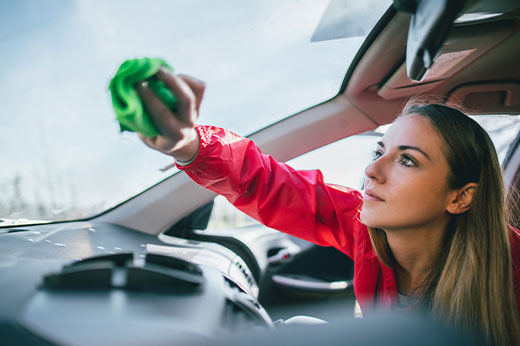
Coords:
pixel 172 280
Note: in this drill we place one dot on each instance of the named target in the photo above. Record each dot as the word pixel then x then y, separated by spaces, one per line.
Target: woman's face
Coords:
pixel 406 184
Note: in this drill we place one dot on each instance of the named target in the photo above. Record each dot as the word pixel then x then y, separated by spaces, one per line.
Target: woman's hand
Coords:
pixel 178 136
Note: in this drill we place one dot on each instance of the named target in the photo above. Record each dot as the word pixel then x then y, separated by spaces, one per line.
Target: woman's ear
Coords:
pixel 462 198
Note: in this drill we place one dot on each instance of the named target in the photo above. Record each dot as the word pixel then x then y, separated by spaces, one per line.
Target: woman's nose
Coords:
pixel 375 171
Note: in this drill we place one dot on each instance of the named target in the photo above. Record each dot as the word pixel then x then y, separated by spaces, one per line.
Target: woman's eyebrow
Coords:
pixel 405 147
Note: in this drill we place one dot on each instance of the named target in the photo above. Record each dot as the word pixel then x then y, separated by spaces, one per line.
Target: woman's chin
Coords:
pixel 365 219
pixel 369 219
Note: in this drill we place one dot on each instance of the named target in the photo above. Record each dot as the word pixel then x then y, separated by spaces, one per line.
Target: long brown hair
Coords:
pixel 470 285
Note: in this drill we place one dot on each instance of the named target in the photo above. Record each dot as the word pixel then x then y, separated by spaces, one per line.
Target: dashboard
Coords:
pixel 83 283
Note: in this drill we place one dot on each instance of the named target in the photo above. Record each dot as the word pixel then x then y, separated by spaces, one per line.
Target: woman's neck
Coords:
pixel 415 250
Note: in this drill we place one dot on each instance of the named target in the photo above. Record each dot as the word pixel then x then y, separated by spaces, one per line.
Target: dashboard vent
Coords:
pixel 243 310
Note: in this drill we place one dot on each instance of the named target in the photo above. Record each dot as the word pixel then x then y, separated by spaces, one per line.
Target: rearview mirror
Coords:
pixel 429 26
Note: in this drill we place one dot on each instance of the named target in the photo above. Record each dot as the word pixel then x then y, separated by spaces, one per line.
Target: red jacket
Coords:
pixel 301 204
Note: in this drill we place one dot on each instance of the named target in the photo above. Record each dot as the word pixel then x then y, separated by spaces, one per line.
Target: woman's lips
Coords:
pixel 371 196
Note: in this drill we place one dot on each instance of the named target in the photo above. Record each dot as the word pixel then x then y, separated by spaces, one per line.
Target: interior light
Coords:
pixel 475 17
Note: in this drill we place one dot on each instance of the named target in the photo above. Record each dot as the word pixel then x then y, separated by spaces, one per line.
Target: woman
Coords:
pixel 430 230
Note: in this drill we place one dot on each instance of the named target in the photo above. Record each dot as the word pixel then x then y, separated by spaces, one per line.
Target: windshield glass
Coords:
pixel 63 155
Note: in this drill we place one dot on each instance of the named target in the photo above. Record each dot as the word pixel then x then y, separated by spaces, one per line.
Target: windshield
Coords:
pixel 63 155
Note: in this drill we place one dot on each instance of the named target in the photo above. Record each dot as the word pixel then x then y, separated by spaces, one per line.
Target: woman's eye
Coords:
pixel 377 154
pixel 407 161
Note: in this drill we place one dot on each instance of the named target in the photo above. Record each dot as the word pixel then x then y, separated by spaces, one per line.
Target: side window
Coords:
pixel 342 162
pixel 225 216
pixel 502 129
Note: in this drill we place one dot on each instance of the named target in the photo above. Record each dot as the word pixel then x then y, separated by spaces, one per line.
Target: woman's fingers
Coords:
pixel 160 115
pixel 197 86
pixel 186 100
pixel 146 140
pixel 177 135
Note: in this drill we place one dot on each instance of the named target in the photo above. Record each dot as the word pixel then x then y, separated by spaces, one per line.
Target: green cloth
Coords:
pixel 128 107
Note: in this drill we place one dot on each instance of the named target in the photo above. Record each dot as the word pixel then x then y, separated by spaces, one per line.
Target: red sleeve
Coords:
pixel 295 202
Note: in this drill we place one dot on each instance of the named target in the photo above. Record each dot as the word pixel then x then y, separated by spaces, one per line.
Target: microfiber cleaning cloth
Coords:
pixel 128 107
